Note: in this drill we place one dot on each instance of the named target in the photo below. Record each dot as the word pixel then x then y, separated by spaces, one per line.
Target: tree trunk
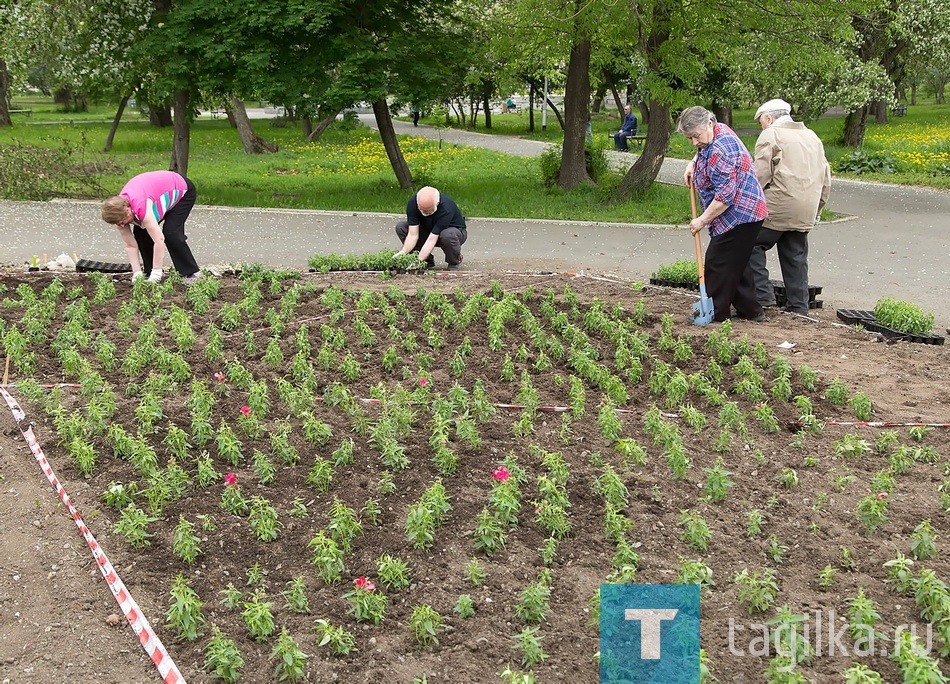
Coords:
pixel 4 94
pixel 576 101
pixel 723 113
pixel 879 108
pixel 322 126
pixel 855 124
pixel 618 103
pixel 253 143
pixel 644 171
pixel 940 93
pixel 115 123
pixel 599 99
pixel 232 122
pixel 487 105
pixel 531 108
pixel 557 114
pixel 182 137
pixel 644 114
pixel 160 116
pixel 384 123
pixel 307 126
pixel 913 94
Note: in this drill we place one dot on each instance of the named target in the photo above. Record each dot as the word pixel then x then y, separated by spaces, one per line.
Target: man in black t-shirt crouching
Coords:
pixel 433 220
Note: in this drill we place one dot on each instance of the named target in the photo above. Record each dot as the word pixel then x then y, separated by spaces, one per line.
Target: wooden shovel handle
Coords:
pixel 699 245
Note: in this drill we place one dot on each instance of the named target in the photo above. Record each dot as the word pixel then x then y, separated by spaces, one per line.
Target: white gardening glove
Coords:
pixel 138 275
pixel 156 275
pixel 398 254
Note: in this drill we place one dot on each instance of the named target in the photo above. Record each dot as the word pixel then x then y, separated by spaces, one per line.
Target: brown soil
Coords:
pixel 54 605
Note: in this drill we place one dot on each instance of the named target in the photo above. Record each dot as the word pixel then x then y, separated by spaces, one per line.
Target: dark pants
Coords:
pixel 450 241
pixel 792 248
pixel 415 117
pixel 176 243
pixel 620 140
pixel 728 275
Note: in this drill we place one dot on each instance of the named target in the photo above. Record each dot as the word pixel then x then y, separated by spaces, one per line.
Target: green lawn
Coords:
pixel 347 169
pixel 918 144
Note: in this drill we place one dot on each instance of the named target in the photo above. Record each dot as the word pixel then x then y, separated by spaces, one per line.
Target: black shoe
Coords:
pixel 757 318
pixel 455 266
pixel 430 261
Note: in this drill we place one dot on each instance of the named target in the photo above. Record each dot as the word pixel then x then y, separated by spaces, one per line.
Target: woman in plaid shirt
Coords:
pixel 733 210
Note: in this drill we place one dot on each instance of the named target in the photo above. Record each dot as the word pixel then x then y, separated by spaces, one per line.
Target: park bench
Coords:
pixel 637 137
pixel 899 110
pixel 28 112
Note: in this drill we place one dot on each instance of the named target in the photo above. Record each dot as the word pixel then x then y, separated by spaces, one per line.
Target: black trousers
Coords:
pixel 792 247
pixel 450 241
pixel 729 280
pixel 176 242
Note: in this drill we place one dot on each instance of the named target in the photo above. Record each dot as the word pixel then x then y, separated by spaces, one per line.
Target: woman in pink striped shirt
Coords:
pixel 150 199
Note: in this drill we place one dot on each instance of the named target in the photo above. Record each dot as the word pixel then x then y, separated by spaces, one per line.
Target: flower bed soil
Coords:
pixel 54 606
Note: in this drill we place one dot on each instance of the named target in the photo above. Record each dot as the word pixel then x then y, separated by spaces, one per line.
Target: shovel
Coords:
pixel 703 309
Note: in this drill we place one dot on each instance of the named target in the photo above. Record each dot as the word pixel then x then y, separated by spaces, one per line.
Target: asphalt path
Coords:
pixel 895 243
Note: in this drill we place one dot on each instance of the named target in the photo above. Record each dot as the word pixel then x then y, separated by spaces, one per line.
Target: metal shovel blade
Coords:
pixel 703 309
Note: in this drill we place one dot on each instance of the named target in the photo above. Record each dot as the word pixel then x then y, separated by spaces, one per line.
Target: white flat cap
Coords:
pixel 773 106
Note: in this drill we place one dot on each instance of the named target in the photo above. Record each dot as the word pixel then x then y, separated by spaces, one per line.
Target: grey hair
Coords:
pixel 694 119
pixel 777 113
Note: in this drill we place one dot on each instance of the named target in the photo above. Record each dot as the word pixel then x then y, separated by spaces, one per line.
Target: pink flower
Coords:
pixel 424 382
pixel 364 584
pixel 500 473
pixel 882 495
pixel 230 479
pixel 246 410
pixel 220 377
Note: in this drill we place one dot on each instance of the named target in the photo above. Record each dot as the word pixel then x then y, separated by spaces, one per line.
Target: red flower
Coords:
pixel 220 377
pixel 424 382
pixel 246 410
pixel 882 495
pixel 500 473
pixel 364 584
pixel 230 479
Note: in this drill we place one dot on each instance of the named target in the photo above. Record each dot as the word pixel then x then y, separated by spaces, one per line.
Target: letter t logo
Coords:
pixel 650 620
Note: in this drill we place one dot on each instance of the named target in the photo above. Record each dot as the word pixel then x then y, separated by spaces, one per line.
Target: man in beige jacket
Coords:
pixel 791 166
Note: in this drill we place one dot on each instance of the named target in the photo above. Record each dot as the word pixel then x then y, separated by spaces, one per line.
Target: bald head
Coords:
pixel 428 200
pixel 627 110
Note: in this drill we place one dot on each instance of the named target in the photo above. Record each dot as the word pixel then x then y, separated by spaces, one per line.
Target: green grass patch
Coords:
pixel 916 146
pixel 347 169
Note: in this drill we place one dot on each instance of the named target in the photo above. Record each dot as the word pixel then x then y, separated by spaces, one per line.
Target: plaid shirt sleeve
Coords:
pixel 728 175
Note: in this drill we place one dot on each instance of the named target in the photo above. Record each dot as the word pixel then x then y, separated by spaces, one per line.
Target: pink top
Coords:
pixel 164 188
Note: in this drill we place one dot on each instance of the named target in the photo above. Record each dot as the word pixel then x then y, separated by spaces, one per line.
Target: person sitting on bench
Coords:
pixel 627 130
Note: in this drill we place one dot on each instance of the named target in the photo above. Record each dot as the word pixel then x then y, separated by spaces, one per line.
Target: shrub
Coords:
pixel 903 316
pixel 39 173
pixel 867 162
pixel 596 161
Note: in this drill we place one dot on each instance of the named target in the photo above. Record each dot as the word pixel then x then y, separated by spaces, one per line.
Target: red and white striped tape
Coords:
pixel 877 423
pixel 137 620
